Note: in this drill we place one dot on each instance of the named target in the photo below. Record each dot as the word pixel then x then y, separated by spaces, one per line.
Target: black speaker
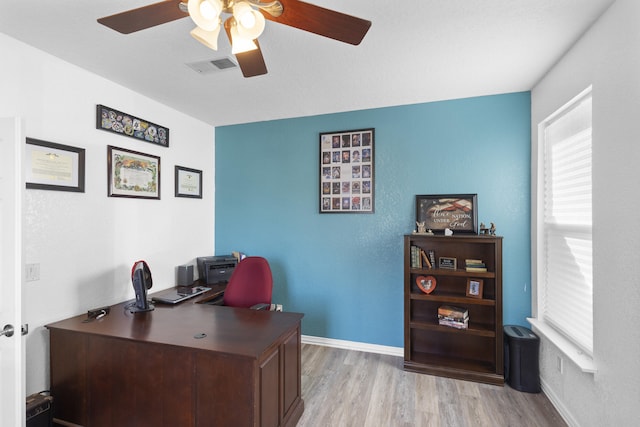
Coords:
pixel 39 410
pixel 185 275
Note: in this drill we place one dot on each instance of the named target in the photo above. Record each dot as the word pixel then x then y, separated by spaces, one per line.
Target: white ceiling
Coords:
pixel 416 51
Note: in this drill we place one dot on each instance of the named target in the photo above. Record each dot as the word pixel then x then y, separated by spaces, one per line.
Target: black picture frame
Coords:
pixel 347 171
pixel 53 166
pixel 132 174
pixel 188 182
pixel 115 121
pixel 457 212
pixel 447 263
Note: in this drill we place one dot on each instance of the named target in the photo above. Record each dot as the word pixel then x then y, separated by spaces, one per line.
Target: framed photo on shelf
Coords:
pixel 51 166
pixel 347 171
pixel 457 212
pixel 474 288
pixel 132 174
pixel 188 182
pixel 447 263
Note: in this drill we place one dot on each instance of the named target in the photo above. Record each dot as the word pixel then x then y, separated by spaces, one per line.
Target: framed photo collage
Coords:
pixel 347 171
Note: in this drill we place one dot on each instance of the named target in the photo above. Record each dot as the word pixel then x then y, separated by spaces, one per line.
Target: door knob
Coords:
pixel 7 331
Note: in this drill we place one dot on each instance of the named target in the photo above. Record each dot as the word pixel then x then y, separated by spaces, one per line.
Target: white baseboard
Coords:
pixel 353 345
pixel 557 403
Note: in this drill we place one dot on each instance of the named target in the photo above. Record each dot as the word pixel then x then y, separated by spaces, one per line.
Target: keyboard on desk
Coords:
pixel 173 296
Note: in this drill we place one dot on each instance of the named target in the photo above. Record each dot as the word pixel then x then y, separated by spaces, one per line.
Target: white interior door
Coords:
pixel 12 398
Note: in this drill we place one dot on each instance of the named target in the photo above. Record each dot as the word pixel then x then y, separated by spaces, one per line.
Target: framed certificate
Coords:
pixel 51 166
pixel 188 182
pixel 132 174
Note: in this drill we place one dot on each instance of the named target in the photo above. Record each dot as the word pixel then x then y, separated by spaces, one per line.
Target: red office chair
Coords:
pixel 250 284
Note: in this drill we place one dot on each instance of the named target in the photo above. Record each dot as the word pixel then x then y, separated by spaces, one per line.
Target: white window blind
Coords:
pixel 567 288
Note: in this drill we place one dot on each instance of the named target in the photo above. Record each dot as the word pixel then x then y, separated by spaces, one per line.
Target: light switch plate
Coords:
pixel 32 272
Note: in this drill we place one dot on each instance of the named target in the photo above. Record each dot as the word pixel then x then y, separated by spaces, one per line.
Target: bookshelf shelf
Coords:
pixel 458 272
pixel 452 299
pixel 474 329
pixel 474 353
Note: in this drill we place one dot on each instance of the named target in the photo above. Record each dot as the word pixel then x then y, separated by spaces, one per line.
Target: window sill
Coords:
pixel 573 353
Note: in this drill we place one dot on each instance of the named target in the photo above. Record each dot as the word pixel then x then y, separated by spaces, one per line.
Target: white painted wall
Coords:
pixel 607 56
pixel 87 242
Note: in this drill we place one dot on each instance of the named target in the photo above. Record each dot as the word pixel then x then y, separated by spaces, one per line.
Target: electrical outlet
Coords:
pixel 560 365
pixel 32 272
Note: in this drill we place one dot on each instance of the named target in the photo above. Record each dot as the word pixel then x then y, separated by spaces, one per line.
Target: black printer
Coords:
pixel 214 270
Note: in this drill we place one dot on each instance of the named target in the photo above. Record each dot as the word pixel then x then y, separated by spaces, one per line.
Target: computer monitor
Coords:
pixel 141 280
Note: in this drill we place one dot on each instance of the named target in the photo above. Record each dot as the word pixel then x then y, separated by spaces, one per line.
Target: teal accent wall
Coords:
pixel 344 271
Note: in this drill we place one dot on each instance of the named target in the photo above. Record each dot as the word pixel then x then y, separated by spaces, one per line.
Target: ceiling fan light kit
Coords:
pixel 207 38
pixel 246 23
pixel 250 22
pixel 240 44
pixel 205 13
pixel 244 26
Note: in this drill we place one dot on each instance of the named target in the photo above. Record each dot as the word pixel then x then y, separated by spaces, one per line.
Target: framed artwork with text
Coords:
pixel 456 212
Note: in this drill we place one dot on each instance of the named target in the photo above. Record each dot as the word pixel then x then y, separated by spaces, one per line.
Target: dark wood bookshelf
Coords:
pixel 475 353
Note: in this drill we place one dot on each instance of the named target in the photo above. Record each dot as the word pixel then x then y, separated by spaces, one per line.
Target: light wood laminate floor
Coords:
pixel 346 388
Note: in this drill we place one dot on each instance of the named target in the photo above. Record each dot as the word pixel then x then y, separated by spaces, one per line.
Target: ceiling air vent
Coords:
pixel 223 63
pixel 212 65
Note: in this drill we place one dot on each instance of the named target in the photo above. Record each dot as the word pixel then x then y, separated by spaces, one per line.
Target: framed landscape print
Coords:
pixel 347 171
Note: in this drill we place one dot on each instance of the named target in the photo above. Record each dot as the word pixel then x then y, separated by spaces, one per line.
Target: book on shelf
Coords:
pixel 416 259
pixel 427 263
pixel 449 312
pixel 454 324
pixel 432 257
pixel 453 317
pixel 475 265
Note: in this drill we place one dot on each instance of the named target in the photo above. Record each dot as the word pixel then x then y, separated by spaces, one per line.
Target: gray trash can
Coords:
pixel 521 363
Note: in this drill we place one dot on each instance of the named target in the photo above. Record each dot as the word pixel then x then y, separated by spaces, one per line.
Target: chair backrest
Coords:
pixel 250 283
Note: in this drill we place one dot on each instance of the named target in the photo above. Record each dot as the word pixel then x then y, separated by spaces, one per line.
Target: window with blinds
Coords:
pixel 566 288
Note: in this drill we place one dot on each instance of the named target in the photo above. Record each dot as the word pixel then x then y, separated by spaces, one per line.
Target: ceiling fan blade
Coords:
pixel 321 21
pixel 251 63
pixel 144 17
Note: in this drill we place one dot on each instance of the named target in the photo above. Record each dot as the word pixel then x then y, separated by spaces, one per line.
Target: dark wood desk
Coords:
pixel 153 369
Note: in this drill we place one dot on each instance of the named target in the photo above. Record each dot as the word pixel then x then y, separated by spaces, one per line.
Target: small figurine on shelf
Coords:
pixel 484 230
pixel 448 232
pixel 492 230
pixel 421 227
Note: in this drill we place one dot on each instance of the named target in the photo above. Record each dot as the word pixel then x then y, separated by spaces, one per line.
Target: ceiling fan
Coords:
pixel 245 23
